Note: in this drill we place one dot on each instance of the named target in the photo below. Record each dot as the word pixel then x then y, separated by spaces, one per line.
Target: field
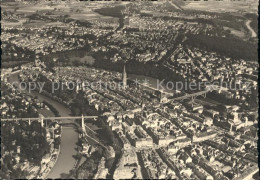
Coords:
pixel 27 9
pixel 84 60
pixel 91 15
pixel 77 11
pixel 8 23
pixel 111 11
pixel 35 23
pixel 224 6
pixel 12 63
pixel 235 32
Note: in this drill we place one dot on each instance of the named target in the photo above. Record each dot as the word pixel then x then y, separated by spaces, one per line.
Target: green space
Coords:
pixel 32 142
pixel 229 47
pixel 12 64
pixel 111 11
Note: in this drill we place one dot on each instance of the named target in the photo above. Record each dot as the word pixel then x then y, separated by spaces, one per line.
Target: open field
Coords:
pixel 235 32
pixel 27 9
pixel 34 8
pixel 77 11
pixel 84 60
pixel 224 6
pixel 19 22
pixel 91 15
pixel 12 63
pixel 35 23
pixel 111 11
pixel 43 23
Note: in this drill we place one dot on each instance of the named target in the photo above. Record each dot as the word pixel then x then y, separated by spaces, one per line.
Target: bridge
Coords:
pixel 192 96
pixel 42 118
pixel 83 125
pixel 155 89
pixel 209 88
pixel 50 118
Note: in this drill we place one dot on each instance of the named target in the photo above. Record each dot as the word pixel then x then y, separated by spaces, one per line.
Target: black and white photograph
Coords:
pixel 137 89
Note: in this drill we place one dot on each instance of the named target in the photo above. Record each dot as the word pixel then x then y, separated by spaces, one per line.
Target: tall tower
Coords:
pixel 124 78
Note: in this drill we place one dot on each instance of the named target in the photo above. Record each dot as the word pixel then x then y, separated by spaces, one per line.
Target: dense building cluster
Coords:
pixel 172 131
pixel 135 131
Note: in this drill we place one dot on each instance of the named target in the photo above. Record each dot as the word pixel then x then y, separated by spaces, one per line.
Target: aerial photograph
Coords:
pixel 144 89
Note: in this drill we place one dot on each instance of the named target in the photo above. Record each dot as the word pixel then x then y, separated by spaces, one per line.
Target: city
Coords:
pixel 129 90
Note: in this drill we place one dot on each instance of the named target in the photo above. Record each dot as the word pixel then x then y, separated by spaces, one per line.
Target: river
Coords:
pixel 69 138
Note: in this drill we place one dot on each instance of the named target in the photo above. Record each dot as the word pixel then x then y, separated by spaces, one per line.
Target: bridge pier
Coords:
pixel 41 119
pixel 83 124
pixel 192 100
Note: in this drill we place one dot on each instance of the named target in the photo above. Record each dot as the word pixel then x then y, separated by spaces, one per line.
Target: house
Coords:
pixel 85 148
pixel 46 158
pixel 184 157
pixel 202 174
pixel 17 158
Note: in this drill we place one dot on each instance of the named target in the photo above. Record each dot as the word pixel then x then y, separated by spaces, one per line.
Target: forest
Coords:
pixel 23 135
pixel 230 47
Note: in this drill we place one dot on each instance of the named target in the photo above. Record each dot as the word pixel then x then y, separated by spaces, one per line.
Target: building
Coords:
pixel 128 166
pixel 102 171
pixel 85 148
pixel 201 173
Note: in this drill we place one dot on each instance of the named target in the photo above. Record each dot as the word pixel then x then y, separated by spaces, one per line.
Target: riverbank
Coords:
pixel 52 163
pixel 66 161
pixel 69 136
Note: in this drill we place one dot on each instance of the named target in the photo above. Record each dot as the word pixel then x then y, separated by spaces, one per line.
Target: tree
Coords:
pixel 57 142
pixel 81 174
pixel 4 174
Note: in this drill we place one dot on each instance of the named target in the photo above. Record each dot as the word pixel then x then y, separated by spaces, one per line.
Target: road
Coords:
pixel 69 137
pixel 253 33
pixel 174 5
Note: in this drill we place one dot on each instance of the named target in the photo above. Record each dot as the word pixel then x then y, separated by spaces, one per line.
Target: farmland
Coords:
pixel 220 7
pixel 76 11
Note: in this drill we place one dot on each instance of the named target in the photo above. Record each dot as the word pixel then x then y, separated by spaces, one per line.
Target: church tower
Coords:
pixel 124 78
